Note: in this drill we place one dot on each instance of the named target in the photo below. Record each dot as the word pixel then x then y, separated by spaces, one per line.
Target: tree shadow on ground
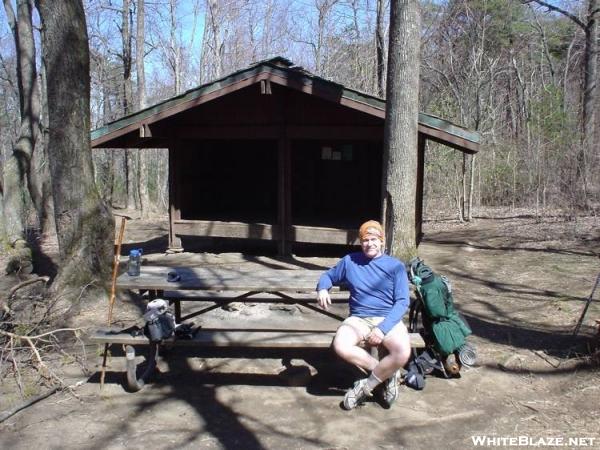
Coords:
pixel 468 243
pixel 220 420
pixel 158 244
pixel 551 341
pixel 512 288
pixel 199 388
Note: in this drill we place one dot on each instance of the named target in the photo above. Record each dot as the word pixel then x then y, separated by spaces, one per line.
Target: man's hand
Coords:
pixel 324 299
pixel 375 337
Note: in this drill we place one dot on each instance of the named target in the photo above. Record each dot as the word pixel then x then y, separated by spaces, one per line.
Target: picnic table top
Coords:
pixel 263 279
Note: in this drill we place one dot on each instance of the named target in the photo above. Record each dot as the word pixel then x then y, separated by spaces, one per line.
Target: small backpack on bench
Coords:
pixel 160 322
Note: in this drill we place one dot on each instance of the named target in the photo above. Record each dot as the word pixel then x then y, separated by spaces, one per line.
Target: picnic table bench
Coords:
pixel 222 285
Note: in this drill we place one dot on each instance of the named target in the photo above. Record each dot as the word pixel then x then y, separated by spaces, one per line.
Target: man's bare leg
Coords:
pixel 346 345
pixel 397 342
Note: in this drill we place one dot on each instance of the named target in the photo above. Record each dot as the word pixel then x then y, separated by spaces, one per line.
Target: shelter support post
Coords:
pixel 174 201
pixel 419 192
pixel 284 189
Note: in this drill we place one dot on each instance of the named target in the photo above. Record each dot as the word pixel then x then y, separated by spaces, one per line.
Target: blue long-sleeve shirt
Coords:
pixel 378 286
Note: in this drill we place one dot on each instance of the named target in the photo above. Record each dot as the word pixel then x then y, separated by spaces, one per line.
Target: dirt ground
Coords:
pixel 521 283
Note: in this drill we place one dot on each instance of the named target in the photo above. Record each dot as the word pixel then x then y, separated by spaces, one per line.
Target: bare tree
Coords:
pixel 401 129
pixel 132 157
pixel 320 50
pixel 140 37
pixel 84 225
pixel 380 48
pixel 213 46
pixel 23 179
pixel 589 26
pixel 126 56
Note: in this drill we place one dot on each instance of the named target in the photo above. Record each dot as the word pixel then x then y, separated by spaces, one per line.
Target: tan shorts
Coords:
pixel 362 325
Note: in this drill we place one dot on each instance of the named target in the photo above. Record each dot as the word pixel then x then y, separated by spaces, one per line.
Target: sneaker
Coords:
pixel 390 389
pixel 356 395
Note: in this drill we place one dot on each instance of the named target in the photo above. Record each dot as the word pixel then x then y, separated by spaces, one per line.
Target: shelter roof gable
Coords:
pixel 282 71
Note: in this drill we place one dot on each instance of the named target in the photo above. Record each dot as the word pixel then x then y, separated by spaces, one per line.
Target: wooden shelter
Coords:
pixel 273 152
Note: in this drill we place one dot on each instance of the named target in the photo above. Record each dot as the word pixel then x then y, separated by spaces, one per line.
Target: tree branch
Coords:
pixel 558 10
pixel 39 336
pixel 15 288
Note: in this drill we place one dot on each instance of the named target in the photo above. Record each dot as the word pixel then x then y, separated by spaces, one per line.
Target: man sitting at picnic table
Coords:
pixel 379 298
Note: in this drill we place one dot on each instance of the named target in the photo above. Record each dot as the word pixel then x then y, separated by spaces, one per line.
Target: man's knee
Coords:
pixel 345 339
pixel 400 357
pixel 340 349
pixel 398 346
pixel 403 355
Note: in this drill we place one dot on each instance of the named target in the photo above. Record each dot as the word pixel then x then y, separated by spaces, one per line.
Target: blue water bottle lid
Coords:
pixel 135 253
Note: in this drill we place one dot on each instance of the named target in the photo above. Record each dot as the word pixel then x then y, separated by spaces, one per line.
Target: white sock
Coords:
pixel 372 383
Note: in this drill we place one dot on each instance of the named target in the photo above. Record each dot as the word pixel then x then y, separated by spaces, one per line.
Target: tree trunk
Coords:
pixel 175 48
pixel 141 90
pixel 132 170
pixel 132 156
pixel 84 225
pixel 126 56
pixel 40 163
pixel 107 189
pixel 19 172
pixel 467 187
pixel 379 39
pixel 471 186
pixel 213 41
pixel 140 38
pixel 401 129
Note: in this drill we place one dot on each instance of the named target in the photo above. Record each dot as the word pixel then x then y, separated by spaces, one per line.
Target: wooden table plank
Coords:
pixel 240 338
pixel 221 278
pixel 228 296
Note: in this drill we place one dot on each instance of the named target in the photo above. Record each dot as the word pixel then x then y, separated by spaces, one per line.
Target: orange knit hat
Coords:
pixel 372 228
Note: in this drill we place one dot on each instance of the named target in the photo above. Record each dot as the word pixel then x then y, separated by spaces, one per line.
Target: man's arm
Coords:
pixel 333 276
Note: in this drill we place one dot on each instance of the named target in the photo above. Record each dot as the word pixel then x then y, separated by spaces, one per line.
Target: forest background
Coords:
pixel 522 73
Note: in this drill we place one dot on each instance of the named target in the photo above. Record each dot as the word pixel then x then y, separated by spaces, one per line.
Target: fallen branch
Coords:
pixel 5 308
pixel 43 369
pixel 18 336
pixel 552 361
pixel 15 288
pixel 11 412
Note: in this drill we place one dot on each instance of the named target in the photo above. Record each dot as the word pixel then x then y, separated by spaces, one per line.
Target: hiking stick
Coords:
pixel 116 260
pixel 587 305
pixel 113 288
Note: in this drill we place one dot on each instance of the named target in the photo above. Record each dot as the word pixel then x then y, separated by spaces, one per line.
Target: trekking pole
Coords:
pixel 113 289
pixel 587 305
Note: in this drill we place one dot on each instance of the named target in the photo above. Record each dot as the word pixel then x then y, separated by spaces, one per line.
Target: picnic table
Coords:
pixel 221 285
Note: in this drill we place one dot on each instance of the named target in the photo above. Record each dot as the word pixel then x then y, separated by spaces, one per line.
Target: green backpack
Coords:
pixel 447 329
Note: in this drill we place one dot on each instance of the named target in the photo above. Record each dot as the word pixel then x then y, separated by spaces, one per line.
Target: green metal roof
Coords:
pixel 283 68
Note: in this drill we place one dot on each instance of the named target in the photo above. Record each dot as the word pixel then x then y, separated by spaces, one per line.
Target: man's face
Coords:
pixel 372 246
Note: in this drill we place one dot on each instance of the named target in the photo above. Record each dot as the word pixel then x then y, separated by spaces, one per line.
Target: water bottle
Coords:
pixel 135 261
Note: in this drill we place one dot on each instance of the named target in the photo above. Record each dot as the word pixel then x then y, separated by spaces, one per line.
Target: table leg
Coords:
pixel 177 307
pixel 103 370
